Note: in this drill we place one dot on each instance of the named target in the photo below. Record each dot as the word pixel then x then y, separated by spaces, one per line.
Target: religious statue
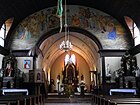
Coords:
pixel 9 69
pixel 108 72
pixel 82 77
pixel 58 77
pixel 58 83
pixel 9 66
pixel 137 72
pixel 92 86
pixel 82 86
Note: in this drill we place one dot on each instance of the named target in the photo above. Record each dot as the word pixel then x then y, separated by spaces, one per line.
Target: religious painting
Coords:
pixel 26 64
pixel 106 28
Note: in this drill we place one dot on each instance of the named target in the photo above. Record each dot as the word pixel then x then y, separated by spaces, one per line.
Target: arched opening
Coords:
pixel 85 50
pixel 4 30
pixel 133 29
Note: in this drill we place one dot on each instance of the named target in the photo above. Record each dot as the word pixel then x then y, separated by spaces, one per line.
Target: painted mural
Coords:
pixel 108 30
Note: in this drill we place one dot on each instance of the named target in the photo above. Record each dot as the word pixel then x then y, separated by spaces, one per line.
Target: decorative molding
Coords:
pixel 71 29
pixel 20 53
pixel 4 51
pixel 135 50
pixel 111 53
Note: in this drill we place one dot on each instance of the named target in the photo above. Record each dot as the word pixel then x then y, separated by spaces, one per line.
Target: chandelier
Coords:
pixel 66 45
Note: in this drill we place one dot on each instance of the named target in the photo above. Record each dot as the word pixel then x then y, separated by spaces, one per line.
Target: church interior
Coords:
pixel 63 51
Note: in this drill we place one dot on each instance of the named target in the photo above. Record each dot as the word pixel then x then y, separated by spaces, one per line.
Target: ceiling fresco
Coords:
pixel 108 30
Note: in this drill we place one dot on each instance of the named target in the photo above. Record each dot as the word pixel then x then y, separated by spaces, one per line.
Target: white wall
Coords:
pixel 114 64
pixel 1 58
pixel 39 62
pixel 20 65
pixel 138 60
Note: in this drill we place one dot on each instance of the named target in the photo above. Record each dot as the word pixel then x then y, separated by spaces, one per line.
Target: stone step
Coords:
pixel 69 100
pixel 76 98
pixel 67 96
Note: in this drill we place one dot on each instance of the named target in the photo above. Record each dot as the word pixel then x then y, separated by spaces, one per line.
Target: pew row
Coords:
pixel 107 100
pixel 22 100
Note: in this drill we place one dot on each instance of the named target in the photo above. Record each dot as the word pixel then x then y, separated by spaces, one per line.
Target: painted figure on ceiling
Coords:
pixel 112 31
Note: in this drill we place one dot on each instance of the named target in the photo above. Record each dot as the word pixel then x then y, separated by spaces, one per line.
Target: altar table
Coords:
pixel 134 91
pixel 4 91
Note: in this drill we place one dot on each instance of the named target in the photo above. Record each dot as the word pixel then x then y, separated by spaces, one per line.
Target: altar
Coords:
pixel 11 79
pixel 70 74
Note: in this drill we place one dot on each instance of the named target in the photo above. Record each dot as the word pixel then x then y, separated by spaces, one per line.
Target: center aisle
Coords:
pixel 55 99
pixel 67 103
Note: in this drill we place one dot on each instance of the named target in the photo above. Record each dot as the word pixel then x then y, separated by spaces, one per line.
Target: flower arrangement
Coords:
pixel 69 89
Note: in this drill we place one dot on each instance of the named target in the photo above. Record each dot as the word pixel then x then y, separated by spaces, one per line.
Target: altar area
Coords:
pixel 71 83
pixel 71 75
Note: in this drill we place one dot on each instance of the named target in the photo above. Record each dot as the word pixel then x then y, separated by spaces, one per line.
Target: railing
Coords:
pixel 114 100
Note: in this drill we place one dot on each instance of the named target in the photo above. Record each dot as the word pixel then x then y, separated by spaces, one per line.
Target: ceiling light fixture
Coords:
pixel 66 45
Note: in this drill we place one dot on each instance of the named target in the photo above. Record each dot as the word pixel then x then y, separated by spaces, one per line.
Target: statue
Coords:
pixel 9 66
pixel 58 83
pixel 82 77
pixel 9 70
pixel 108 72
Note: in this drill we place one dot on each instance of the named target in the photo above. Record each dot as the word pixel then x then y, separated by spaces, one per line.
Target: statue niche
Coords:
pixel 70 74
pixel 9 66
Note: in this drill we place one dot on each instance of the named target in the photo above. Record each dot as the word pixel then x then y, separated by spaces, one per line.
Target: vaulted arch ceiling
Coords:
pixel 20 9
pixel 82 45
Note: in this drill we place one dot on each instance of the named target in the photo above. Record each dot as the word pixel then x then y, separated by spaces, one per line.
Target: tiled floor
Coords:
pixel 68 104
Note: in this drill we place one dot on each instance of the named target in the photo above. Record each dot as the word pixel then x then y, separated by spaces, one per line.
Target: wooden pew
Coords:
pixel 107 100
pixel 125 101
pixel 22 100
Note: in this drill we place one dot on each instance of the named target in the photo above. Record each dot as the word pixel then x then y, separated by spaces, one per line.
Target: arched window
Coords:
pixel 136 35
pixel 4 30
pixel 8 24
pixel 134 29
pixel 67 57
pixel 70 59
pixel 73 59
pixel 2 35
